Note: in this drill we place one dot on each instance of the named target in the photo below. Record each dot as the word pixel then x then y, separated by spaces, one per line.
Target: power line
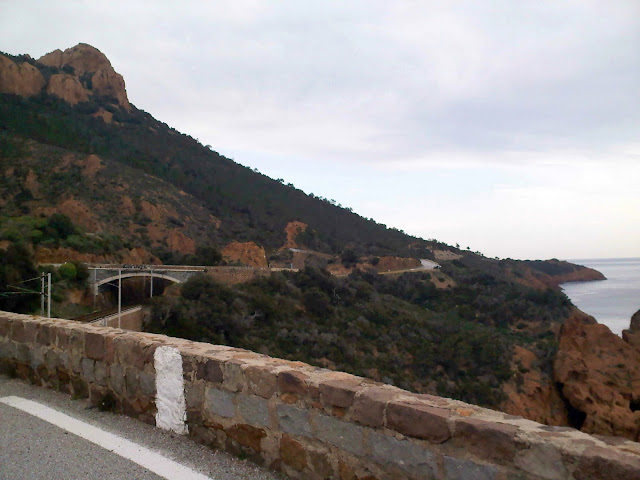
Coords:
pixel 30 280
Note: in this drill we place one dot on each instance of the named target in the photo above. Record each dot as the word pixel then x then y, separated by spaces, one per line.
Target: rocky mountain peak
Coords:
pixel 85 72
pixel 86 60
pixel 83 58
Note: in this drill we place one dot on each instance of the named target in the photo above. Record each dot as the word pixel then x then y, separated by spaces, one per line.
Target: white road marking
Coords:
pixel 144 457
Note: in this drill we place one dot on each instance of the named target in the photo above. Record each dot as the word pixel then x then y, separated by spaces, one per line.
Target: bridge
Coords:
pixel 101 274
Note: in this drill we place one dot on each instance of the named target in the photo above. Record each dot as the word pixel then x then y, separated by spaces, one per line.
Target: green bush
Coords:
pixel 68 271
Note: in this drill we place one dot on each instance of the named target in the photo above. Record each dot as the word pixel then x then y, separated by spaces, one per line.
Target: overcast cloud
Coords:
pixel 507 126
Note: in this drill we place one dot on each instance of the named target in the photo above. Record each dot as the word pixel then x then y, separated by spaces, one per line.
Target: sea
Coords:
pixel 612 301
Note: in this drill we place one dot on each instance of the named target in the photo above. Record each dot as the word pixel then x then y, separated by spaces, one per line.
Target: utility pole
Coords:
pixel 95 287
pixel 151 290
pixel 119 297
pixel 42 295
pixel 49 293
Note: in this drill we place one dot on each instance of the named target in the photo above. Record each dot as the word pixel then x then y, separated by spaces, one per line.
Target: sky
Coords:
pixel 511 128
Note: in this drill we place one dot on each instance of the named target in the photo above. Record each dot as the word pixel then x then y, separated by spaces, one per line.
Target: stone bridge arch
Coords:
pixel 106 274
pixel 135 274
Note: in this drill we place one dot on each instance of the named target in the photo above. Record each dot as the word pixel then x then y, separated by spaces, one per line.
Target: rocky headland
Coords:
pixel 598 374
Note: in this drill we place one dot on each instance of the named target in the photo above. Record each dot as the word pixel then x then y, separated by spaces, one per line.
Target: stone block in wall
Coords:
pixel 23 353
pixel 62 337
pixel 247 436
pixel 340 392
pixel 110 348
pixel 128 350
pixel 210 371
pixel 147 383
pixel 7 350
pixel 51 360
pixel 292 453
pixel 5 327
pixel 131 382
pixel 254 410
pixel 74 360
pixel 30 331
pixel 64 360
pixel 368 406
pixel 457 469
pixel 87 369
pixel 17 332
pixel 219 402
pixel 344 435
pixel 94 346
pixel 413 459
pixel 45 335
pixel 116 379
pixel 233 380
pixel 419 421
pixel 261 380
pixel 605 464
pixel 194 395
pixel 489 440
pixel 101 373
pixel 294 421
pixel 543 460
pixel 37 357
pixel 75 340
pixel 292 381
pixel 321 463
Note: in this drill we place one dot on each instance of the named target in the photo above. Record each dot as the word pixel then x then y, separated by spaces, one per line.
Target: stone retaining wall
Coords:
pixel 234 275
pixel 308 422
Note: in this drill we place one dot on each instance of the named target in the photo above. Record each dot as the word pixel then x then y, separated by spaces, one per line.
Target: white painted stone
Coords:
pixel 170 402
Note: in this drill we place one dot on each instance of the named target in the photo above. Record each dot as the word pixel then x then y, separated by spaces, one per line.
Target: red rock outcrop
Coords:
pixel 68 88
pixel 20 79
pixel 632 335
pixel 291 231
pixel 179 242
pixel 127 207
pixel 532 394
pixel 92 165
pixel 248 254
pixel 396 263
pixel 87 59
pixel 78 211
pixel 108 82
pixel 599 375
pixel 139 256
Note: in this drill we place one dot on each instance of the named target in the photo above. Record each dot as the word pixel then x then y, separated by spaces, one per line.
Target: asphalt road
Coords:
pixel 33 448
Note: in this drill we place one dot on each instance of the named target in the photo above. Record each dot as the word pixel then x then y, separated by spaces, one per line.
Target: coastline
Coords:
pixel 611 303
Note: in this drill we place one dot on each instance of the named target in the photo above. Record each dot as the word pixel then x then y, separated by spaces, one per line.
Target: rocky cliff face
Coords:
pixel 599 376
pixel 632 335
pixel 68 88
pixel 19 79
pixel 247 253
pixel 532 393
pixel 85 71
pixel 86 60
